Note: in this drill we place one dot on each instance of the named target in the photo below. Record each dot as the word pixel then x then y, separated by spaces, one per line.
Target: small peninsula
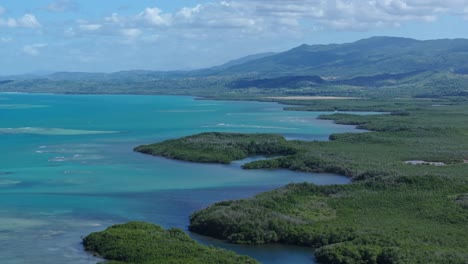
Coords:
pixel 222 148
pixel 137 242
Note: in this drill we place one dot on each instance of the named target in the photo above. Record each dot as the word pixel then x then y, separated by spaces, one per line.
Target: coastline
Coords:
pixel 383 175
pixel 313 98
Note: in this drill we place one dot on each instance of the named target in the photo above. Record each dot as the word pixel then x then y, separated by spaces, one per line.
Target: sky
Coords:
pixel 113 35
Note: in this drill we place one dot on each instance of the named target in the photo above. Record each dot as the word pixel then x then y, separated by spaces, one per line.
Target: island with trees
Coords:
pixel 144 243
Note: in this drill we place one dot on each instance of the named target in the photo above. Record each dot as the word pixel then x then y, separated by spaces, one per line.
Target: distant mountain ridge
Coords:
pixel 247 59
pixel 372 56
pixel 377 66
pixel 366 57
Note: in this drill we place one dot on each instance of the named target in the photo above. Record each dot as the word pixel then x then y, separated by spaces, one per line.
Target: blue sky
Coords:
pixel 106 36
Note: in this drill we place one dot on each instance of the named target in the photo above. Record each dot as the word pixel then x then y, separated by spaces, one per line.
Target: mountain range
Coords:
pixel 376 55
pixel 373 62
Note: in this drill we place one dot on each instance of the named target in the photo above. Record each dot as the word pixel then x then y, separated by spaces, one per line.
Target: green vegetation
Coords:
pixel 392 212
pixel 132 85
pixel 415 220
pixel 143 243
pixel 377 105
pixel 420 84
pixel 219 147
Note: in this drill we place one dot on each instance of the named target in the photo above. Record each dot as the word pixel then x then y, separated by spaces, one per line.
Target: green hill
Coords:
pixel 377 55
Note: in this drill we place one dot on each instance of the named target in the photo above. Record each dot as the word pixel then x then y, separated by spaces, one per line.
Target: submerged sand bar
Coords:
pixel 52 131
pixel 313 98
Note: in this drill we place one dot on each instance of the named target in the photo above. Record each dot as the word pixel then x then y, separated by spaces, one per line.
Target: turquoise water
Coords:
pixel 67 168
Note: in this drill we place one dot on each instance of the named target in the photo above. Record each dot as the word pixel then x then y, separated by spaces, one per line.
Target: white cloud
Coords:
pixel 155 17
pixel 70 32
pixel 259 18
pixel 261 15
pixel 114 18
pixel 189 13
pixel 131 32
pixel 5 40
pixel 218 15
pixel 129 27
pixel 356 14
pixel 29 21
pixel 26 21
pixel 62 6
pixel 90 27
pixel 34 49
pixel 2 10
pixel 9 22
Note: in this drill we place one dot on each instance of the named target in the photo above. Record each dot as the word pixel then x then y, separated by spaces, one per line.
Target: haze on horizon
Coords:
pixel 105 36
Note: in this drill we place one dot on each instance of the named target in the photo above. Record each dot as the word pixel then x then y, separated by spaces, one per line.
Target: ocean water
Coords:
pixel 67 169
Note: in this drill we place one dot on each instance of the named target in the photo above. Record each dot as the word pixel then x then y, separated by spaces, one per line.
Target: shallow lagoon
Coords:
pixel 67 168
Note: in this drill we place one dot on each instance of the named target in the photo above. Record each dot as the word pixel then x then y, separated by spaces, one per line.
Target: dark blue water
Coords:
pixel 67 169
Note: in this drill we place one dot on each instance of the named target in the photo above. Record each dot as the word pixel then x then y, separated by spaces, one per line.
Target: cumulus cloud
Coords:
pixel 34 49
pixel 356 14
pixel 26 21
pixel 113 25
pixel 340 14
pixel 29 21
pixel 218 15
pixel 280 17
pixel 155 17
pixel 62 6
